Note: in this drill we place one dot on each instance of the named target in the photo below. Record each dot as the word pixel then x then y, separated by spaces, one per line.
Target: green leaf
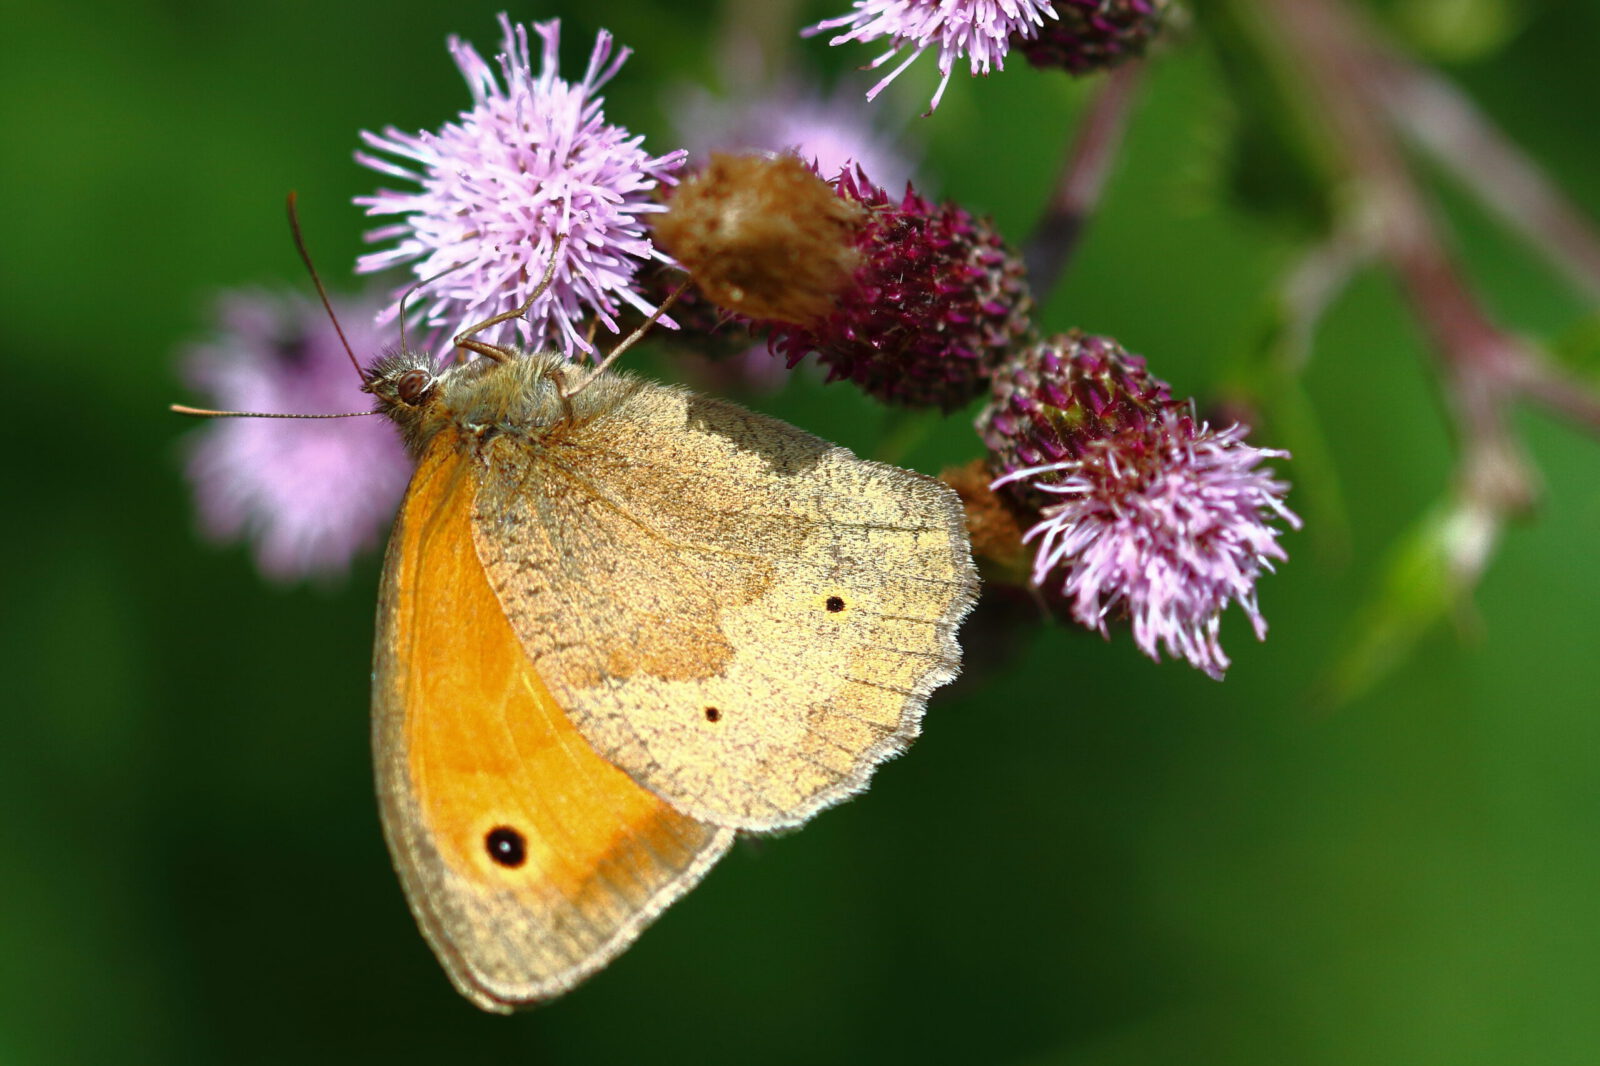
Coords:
pixel 1459 31
pixel 1279 163
pixel 1578 347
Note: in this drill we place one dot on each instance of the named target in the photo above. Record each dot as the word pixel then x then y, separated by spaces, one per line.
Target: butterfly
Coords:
pixel 620 624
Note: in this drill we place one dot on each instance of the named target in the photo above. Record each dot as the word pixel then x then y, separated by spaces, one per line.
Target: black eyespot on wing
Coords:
pixel 713 714
pixel 835 604
pixel 506 846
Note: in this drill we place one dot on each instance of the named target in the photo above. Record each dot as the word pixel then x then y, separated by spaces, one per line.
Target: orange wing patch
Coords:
pixel 528 859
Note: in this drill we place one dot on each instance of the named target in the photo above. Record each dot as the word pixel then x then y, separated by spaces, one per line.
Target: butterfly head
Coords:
pixel 406 388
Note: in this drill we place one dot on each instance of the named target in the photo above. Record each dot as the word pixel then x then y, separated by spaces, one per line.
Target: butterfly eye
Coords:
pixel 413 385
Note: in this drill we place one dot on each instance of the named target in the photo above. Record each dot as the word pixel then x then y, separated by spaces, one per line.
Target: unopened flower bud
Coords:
pixel 937 302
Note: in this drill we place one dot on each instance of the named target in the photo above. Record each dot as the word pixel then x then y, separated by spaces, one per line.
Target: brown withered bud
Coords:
pixel 763 236
pixel 992 522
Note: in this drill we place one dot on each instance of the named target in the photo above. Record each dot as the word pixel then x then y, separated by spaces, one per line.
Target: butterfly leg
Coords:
pixel 633 338
pixel 560 382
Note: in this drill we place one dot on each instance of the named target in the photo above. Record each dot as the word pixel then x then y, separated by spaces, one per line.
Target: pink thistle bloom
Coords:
pixel 980 30
pixel 1141 512
pixel 307 495
pixel 831 132
pixel 534 158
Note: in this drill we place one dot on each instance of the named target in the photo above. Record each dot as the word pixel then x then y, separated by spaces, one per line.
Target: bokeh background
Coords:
pixel 1088 859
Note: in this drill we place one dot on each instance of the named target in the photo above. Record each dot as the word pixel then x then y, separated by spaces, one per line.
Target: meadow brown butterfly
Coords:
pixel 621 623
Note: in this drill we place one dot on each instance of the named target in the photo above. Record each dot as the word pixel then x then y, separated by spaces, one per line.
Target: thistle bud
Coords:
pixel 937 302
pixel 914 302
pixel 1091 35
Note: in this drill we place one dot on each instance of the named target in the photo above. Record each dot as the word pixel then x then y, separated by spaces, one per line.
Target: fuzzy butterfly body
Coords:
pixel 618 625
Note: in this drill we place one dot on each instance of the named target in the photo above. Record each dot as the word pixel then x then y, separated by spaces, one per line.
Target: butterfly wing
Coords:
pixel 528 860
pixel 743 617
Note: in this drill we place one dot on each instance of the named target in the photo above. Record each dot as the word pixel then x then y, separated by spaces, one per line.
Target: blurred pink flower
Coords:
pixel 532 159
pixel 306 495
pixel 979 30
pixel 829 131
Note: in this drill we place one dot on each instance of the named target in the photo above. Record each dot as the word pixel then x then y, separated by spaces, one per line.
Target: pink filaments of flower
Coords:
pixel 979 30
pixel 533 159
pixel 834 132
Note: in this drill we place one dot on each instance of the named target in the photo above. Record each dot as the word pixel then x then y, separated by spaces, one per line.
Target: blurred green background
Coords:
pixel 1088 859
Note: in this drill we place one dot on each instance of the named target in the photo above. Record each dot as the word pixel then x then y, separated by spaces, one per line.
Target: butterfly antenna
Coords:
pixel 412 291
pixel 202 412
pixel 631 339
pixel 305 257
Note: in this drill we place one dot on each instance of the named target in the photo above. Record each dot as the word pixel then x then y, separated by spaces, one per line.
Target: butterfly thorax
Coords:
pixel 527 395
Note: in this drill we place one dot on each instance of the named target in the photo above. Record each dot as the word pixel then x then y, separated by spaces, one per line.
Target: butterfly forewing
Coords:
pixel 528 860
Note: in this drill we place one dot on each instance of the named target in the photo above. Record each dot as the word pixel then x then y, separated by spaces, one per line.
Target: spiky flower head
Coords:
pixel 780 140
pixel 306 495
pixel 532 159
pixel 914 302
pixel 1141 511
pixel 937 302
pixel 981 31
pixel 1091 35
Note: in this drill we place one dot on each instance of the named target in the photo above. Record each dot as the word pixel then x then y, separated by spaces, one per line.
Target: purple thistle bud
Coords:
pixel 1091 35
pixel 936 304
pixel 534 158
pixel 1141 512
pixel 979 30
pixel 307 495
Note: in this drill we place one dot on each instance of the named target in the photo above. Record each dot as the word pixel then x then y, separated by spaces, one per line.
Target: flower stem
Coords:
pixel 1441 120
pixel 1083 177
pixel 1483 367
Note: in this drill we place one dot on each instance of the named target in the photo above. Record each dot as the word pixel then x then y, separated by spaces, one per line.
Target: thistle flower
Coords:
pixel 1091 35
pixel 982 31
pixel 1141 512
pixel 762 236
pixel 534 158
pixel 937 302
pixel 307 495
pixel 831 132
